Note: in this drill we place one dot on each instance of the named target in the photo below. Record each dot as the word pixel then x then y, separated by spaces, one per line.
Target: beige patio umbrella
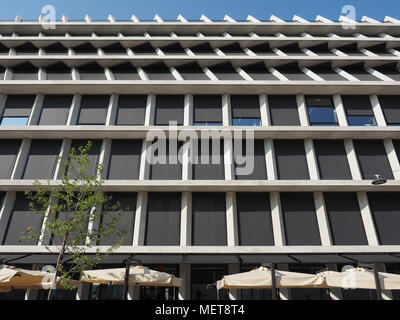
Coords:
pixel 16 278
pixel 261 278
pixel 138 275
pixel 360 278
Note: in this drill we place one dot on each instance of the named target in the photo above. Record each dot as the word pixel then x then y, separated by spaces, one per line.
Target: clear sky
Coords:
pixel 193 9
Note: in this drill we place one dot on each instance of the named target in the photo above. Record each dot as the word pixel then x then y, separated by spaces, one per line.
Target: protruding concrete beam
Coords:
pixel 299 19
pixel 134 18
pixel 158 18
pixel 64 18
pixel 347 20
pixel 322 19
pixel 88 19
pixel 18 18
pixel 369 20
pixel 276 19
pixel 111 18
pixel 205 19
pixel 391 19
pixel 252 19
pixel 181 18
pixel 229 19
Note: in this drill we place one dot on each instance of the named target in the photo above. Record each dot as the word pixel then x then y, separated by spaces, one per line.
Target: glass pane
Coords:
pixel 14 121
pixel 106 292
pixel 321 115
pixel 361 120
pixel 246 122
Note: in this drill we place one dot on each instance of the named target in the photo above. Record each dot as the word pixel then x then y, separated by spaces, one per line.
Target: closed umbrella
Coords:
pixel 138 275
pixel 261 278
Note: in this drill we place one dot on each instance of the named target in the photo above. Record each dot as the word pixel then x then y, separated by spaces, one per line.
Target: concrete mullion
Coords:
pixel 311 159
pixel 22 157
pixel 352 159
pixel 228 159
pixel 112 110
pixel 339 110
pixel 277 219
pixel 302 109
pixel 74 111
pixel 264 110
pixel 322 218
pixel 270 159
pixel 63 157
pixel 188 110
pixel 186 163
pixel 376 108
pixel 392 157
pixel 186 219
pixel 231 220
pixel 226 110
pixel 3 99
pixel 367 219
pixel 140 219
pixel 5 213
pixel 36 110
pixel 144 170
pixel 150 110
pixel 104 158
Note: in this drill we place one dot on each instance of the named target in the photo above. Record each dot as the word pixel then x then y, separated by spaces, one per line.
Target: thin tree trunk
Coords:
pixel 54 283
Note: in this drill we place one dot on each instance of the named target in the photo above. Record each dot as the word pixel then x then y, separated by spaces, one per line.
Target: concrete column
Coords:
pixel 186 219
pixel 284 293
pixel 392 157
pixel 185 271
pixel 311 159
pixel 378 113
pixel 352 159
pixel 367 219
pixel 232 269
pixel 140 219
pixel 322 218
pixel 83 291
pixel 231 220
pixel 277 219
pixel 339 109
pixel 334 293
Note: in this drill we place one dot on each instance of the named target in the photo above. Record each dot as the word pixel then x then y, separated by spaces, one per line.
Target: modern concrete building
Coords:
pixel 322 98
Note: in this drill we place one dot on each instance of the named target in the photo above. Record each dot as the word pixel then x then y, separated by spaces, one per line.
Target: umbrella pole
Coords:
pixel 217 294
pixel 273 282
pixel 377 282
pixel 126 281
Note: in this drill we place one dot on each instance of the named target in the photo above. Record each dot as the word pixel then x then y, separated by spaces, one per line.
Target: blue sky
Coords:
pixel 192 9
